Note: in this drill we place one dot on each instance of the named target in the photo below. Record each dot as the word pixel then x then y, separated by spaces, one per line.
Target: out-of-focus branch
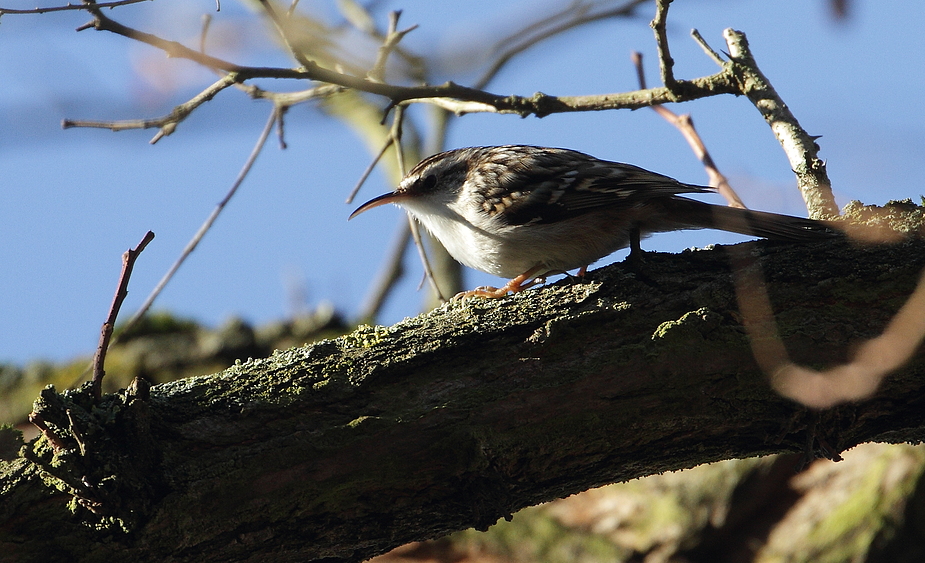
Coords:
pixel 576 14
pixel 194 242
pixel 685 125
pixel 855 380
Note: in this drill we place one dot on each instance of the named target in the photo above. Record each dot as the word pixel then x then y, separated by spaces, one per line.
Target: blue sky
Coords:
pixel 71 201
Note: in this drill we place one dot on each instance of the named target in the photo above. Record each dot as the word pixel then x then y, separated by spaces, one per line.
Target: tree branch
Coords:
pixel 539 104
pixel 128 264
pixel 665 62
pixel 349 447
pixel 685 124
pixel 576 14
pixel 167 123
pixel 69 7
pixel 799 146
pixel 274 117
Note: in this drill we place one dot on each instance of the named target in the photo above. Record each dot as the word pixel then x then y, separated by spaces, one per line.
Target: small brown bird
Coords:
pixel 524 212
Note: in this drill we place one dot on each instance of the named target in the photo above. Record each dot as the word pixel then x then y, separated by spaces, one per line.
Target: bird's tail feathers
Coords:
pixel 772 226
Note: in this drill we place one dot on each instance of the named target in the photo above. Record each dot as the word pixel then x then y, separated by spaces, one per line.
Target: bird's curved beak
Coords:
pixel 393 197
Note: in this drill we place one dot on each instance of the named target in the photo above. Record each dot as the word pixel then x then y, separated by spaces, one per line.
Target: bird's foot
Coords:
pixel 516 285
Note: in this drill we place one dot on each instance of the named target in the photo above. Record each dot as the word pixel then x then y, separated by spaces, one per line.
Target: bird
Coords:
pixel 526 212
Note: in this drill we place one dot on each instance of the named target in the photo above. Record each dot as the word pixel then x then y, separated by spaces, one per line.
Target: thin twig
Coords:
pixel 258 147
pixel 69 7
pixel 395 134
pixel 128 262
pixel 394 139
pixel 289 99
pixel 665 62
pixel 369 169
pixel 538 104
pixel 292 8
pixel 413 225
pixel 685 125
pixel 56 443
pixel 167 123
pixel 392 39
pixel 428 272
pixel 281 30
pixel 577 14
pixel 717 58
pixel 281 126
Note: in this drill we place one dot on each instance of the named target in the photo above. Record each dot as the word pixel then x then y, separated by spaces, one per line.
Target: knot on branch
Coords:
pixel 540 105
pixel 99 452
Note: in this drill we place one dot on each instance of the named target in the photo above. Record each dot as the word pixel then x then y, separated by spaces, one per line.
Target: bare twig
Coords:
pixel 538 104
pixel 377 74
pixel 39 422
pixel 292 8
pixel 369 170
pixel 394 139
pixel 395 134
pixel 800 147
pixel 69 7
pixel 191 246
pixel 665 62
pixel 574 15
pixel 281 30
pixel 281 126
pixel 167 123
pixel 128 262
pixel 685 125
pixel 428 271
pixel 289 99
pixel 717 58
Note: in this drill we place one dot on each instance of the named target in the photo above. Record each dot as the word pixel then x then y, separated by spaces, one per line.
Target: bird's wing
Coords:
pixel 555 184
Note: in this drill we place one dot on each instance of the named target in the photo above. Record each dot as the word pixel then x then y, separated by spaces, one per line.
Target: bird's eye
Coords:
pixel 429 182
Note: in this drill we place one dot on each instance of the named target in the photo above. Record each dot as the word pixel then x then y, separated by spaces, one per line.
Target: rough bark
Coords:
pixel 344 449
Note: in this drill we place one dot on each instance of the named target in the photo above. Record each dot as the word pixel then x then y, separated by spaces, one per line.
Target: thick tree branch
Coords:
pixel 346 448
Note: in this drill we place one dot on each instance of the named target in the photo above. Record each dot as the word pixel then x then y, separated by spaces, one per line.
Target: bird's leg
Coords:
pixel 635 259
pixel 523 281
pixel 635 255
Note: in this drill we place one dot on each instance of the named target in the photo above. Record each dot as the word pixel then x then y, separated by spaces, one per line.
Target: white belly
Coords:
pixel 548 247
